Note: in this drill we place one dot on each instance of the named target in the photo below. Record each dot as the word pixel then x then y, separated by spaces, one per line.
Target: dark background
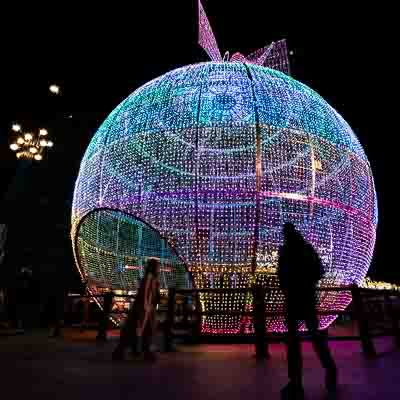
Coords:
pixel 99 55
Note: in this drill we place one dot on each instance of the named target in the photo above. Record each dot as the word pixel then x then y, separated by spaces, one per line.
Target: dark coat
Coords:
pixel 299 271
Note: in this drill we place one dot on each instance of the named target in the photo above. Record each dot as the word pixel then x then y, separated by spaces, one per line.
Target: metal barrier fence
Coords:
pixel 369 307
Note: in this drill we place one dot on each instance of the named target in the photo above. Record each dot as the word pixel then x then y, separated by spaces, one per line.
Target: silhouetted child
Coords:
pixel 299 271
pixel 138 330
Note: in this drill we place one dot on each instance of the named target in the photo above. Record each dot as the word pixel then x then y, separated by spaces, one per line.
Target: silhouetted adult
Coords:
pixel 3 316
pixel 105 318
pixel 299 270
pixel 140 325
pixel 54 306
pixel 24 294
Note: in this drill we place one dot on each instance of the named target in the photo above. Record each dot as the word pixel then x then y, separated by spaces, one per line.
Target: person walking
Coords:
pixel 299 270
pixel 104 322
pixel 24 294
pixel 54 306
pixel 140 325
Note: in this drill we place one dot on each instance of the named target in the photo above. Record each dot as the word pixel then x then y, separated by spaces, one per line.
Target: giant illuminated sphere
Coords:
pixel 201 167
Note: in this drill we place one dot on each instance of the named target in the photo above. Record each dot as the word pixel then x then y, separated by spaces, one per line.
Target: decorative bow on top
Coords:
pixel 274 56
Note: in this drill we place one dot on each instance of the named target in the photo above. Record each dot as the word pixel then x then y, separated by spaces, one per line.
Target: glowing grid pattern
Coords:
pixel 216 157
pixel 114 248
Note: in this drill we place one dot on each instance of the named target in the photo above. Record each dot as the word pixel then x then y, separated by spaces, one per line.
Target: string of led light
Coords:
pixel 180 152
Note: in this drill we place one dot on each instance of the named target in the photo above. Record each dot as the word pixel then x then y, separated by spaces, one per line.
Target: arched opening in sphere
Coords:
pixel 112 248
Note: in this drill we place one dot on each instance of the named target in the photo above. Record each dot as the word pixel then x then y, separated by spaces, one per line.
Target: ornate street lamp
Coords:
pixel 29 146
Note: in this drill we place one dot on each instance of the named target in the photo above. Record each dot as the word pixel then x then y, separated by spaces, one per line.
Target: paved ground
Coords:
pixel 33 366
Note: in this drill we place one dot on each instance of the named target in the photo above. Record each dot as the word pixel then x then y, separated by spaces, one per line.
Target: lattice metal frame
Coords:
pixel 216 157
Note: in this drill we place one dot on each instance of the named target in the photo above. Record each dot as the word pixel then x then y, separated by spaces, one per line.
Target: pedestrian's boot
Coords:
pixel 331 380
pixel 139 345
pixel 292 391
pixel 118 353
pixel 148 354
pixel 138 348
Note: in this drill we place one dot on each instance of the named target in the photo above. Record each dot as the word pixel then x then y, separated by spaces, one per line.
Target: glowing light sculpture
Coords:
pixel 202 166
pixel 273 56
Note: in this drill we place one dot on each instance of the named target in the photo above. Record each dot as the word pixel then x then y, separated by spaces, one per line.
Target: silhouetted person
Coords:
pixel 53 301
pixel 3 316
pixel 55 313
pixel 84 312
pixel 140 325
pixel 24 292
pixel 186 311
pixel 105 318
pixel 299 270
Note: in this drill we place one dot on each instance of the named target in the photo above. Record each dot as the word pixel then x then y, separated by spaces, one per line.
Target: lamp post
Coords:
pixel 29 146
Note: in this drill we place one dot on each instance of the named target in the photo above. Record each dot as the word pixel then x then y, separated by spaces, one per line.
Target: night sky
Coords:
pixel 100 55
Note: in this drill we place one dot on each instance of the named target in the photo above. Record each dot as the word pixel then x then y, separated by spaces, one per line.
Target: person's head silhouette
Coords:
pixel 289 231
